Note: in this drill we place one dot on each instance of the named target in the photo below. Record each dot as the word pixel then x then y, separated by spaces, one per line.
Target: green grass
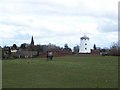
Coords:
pixel 62 72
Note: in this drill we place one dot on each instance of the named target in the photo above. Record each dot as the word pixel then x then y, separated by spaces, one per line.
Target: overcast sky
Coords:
pixel 58 22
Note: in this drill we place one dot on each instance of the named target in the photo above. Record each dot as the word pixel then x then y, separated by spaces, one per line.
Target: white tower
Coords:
pixel 84 45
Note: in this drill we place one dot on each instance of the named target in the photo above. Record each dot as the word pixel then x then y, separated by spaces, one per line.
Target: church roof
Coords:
pixel 32 41
pixel 84 37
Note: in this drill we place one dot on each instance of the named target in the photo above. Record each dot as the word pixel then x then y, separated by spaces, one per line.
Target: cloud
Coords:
pixel 58 21
pixel 9 22
pixel 108 26
pixel 62 7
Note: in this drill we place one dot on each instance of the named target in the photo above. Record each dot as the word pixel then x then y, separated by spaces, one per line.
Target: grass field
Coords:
pixel 62 72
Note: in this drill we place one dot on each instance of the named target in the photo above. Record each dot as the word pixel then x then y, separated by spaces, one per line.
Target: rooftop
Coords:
pixel 84 37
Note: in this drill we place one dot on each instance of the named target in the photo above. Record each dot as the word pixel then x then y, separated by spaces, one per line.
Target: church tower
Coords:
pixel 32 41
pixel 32 44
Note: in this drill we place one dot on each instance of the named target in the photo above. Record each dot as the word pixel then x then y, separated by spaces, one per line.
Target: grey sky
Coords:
pixel 58 21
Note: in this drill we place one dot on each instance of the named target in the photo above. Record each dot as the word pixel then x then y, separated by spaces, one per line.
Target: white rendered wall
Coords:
pixel 84 46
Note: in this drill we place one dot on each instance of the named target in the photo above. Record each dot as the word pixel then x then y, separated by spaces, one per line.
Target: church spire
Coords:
pixel 32 41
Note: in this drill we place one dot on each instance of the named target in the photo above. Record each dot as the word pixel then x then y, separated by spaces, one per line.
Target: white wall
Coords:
pixel 84 48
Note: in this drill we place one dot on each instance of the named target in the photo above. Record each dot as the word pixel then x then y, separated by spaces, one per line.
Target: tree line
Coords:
pixel 12 51
pixel 114 50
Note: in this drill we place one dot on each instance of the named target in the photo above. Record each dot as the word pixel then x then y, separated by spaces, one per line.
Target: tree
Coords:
pixel 14 46
pixel 94 47
pixel 66 46
pixel 6 52
pixel 76 49
pixel 31 47
pixel 114 49
pixel 38 48
pixel 23 46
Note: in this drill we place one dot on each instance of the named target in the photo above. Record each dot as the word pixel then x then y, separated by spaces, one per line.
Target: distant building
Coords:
pixel 14 51
pixel 25 50
pixel 27 54
pixel 84 45
pixel 32 41
pixel 32 44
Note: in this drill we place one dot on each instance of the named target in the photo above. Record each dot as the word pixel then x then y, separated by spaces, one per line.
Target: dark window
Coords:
pixel 85 48
pixel 85 43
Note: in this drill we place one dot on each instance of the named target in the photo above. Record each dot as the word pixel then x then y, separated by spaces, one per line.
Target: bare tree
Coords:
pixel 114 49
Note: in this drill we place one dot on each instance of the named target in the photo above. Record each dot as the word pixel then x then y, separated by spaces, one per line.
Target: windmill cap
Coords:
pixel 84 37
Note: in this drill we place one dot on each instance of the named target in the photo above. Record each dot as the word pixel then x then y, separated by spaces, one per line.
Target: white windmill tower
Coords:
pixel 84 45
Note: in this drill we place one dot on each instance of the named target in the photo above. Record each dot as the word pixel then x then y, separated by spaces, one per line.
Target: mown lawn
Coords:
pixel 62 72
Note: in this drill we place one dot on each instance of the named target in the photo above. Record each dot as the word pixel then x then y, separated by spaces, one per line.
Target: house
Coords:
pixel 27 54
